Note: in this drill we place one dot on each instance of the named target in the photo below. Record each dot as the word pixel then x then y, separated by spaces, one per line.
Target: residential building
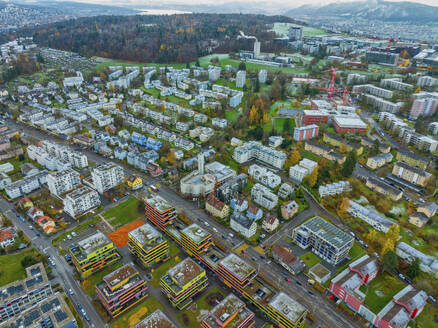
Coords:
pixel 121 289
pixel 381 57
pixel 349 125
pixel 405 306
pixel 135 182
pixel 148 245
pixel 263 75
pixel 156 319
pixel 263 196
pixel 240 79
pixel 285 190
pixel 92 253
pixel 255 150
pixel 423 107
pixel 428 264
pixel 80 201
pixel 306 132
pixel 343 144
pixel 314 117
pixel 324 239
pixel 230 312
pixel 347 284
pixel 396 83
pixel 195 239
pixel 275 141
pixel 379 160
pixel 427 81
pixel 299 171
pixel 429 209
pixel 236 271
pixel 287 259
pixel 411 174
pixel 7 237
pixel 324 151
pixel 412 159
pixel 384 188
pixel 216 208
pixel 354 78
pixel 295 33
pixel 433 128
pixel 289 209
pixel 370 216
pixel 243 225
pixel 182 282
pixel 270 222
pixel 239 204
pixel 77 159
pixel 107 176
pixel 286 311
pixel 418 219
pixel 26 185
pixel 159 211
pixel 21 295
pixel 264 176
pixel 231 187
pixel 254 213
pixel 334 188
pixel 63 181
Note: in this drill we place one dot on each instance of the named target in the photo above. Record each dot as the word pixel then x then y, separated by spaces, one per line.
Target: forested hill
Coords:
pixel 162 39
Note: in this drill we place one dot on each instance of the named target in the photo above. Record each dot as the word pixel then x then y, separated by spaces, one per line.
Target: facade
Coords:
pixel 334 188
pixel 80 201
pixel 411 174
pixel 63 181
pixel 349 125
pixel 287 259
pixel 384 188
pixel 255 150
pixel 107 176
pixel 289 209
pixel 159 211
pixel 182 282
pixel 148 245
pixel 379 160
pixel 156 319
pixel 325 240
pixel 195 239
pixel 428 264
pixel 93 253
pixel 299 171
pixel 264 176
pixel 243 225
pixel 412 159
pixel 121 289
pixel 263 196
pixel 371 217
pixel 306 132
pixel 314 117
pixel 324 151
pixel 216 208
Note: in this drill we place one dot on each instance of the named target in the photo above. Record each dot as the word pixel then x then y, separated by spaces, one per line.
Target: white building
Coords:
pixel 240 79
pixel 427 81
pixel 428 264
pixel 264 176
pixel 80 201
pixel 255 150
pixel 107 176
pixel 26 185
pixel 371 217
pixel 263 75
pixel 334 188
pixel 396 83
pixel 299 171
pixel 240 223
pixel 63 181
pixel 264 196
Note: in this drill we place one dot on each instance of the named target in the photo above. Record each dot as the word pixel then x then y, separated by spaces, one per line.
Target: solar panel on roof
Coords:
pixel 35 271
pixel 60 315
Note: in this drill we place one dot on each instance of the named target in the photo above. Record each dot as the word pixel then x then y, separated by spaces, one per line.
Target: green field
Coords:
pixel 160 271
pixel 231 116
pixel 90 286
pixel 426 319
pixel 310 259
pixel 124 212
pixel 11 268
pixel 132 317
pixel 385 284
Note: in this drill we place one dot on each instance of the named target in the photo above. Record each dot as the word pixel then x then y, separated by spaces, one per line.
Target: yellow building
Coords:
pixel 135 182
pixel 148 245
pixel 216 208
pixel 412 158
pixel 182 282
pixel 195 239
pixel 342 144
pixel 93 253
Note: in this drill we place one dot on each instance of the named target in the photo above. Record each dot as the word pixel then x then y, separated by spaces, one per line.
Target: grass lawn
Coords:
pixel 90 288
pixel 124 213
pixel 310 259
pixel 231 115
pixel 77 229
pixel 160 271
pixel 11 267
pixel 312 156
pixel 201 305
pixel 132 317
pixel 426 318
pixel 385 284
pixel 355 252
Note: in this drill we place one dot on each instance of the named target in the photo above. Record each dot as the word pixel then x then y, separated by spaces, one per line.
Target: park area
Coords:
pixel 130 318
pixel 12 268
pixel 381 290
pixel 124 213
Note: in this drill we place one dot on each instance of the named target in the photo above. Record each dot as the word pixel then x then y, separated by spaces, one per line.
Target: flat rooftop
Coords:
pixel 287 306
pixel 237 266
pixel 119 275
pixel 156 319
pixel 159 203
pixel 145 233
pixel 185 271
pixel 196 233
pixel 92 243
pixel 327 231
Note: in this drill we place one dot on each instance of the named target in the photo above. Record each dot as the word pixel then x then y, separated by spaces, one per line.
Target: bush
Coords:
pixel 214 298
pixel 185 319
pixel 28 261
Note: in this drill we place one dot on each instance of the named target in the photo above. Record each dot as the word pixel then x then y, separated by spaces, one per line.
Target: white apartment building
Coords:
pixel 423 107
pixel 264 196
pixel 63 181
pixel 80 201
pixel 334 188
pixel 396 83
pixel 214 73
pixel 373 90
pixel 299 171
pixel 371 217
pixel 107 176
pixel 263 75
pixel 75 158
pixel 26 185
pixel 240 79
pixel 433 127
pixel 427 81
pixel 255 150
pixel 264 176
pixel 382 104
pixel 354 78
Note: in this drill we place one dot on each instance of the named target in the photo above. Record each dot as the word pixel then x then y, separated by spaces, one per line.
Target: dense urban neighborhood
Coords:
pixel 281 179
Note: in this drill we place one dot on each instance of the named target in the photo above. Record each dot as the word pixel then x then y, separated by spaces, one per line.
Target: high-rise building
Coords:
pixel 236 271
pixel 107 176
pixel 295 33
pixel 240 79
pixel 306 132
pixel 256 48
pixel 195 239
pixel 80 201
pixel 121 289
pixel 148 245
pixel 182 282
pixel 381 57
pixel 93 253
pixel 159 211
pixel 263 75
pixel 63 181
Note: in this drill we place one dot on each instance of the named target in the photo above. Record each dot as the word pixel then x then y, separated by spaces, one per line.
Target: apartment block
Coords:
pixel 423 107
pixel 92 253
pixel 75 158
pixel 306 132
pixel 121 289
pixel 428 263
pixel 324 239
pixel 264 196
pixel 80 201
pixel 324 151
pixel 354 78
pixel 286 311
pixel 412 159
pixel 371 217
pixel 182 282
pixel 427 81
pixel 216 207
pixel 384 188
pixel 243 225
pixel 236 271
pixel 240 79
pixel 26 185
pixel 159 211
pixel 411 174
pixel 381 104
pixel 344 144
pixel 255 150
pixel 63 181
pixel 334 188
pixel 264 176
pixel 148 245
pixel 396 83
pixel 156 319
pixel 379 160
pixel 433 128
pixel 195 239
pixel 373 90
pixel 107 176
pixel 381 57
pixel 299 171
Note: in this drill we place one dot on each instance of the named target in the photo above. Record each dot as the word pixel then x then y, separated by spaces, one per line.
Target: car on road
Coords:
pixel 207 224
pixel 69 237
pixel 74 234
pixel 70 291
pixel 37 234
pixel 310 292
pixel 254 258
pixel 298 282
pixel 287 279
pixel 30 227
pixel 231 235
pixel 215 230
pixel 224 237
pixel 262 257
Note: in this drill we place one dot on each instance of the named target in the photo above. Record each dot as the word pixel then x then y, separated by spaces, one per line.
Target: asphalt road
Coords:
pixel 322 311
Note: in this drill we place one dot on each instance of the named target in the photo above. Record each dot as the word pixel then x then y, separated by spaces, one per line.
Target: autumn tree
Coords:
pixel 344 205
pixel 312 177
pixel 393 233
pixel 388 245
pixel 171 157
pixel 253 116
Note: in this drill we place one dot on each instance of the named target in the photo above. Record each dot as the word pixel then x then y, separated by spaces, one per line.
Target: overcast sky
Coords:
pixel 266 2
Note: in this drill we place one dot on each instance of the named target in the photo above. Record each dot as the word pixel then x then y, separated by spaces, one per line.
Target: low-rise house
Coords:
pixel 239 204
pixel 384 188
pixel 216 208
pixel 285 190
pixel 379 160
pixel 7 237
pixel 275 141
pixel 254 213
pixel 236 142
pixel 371 217
pixel 342 143
pixel 25 203
pixel 46 223
pixel 411 174
pixel 429 209
pixel 287 259
pixel 418 219
pixel 289 209
pixel 270 222
pixel 34 212
pixel 324 151
pixel 5 180
pixel 243 225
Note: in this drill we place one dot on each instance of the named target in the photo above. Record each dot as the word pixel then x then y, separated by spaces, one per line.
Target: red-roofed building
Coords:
pixel 34 213
pixel 314 117
pixel 46 223
pixel 216 208
pixel 7 237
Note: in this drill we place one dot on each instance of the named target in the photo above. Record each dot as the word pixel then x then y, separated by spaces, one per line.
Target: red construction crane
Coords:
pixel 331 89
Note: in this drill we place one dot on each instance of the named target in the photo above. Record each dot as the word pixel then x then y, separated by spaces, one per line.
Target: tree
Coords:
pixel 344 205
pixel 414 268
pixel 388 245
pixel 348 165
pixel 171 157
pixel 371 236
pixel 242 66
pixel 390 261
pixel 286 125
pixel 253 116
pixel 393 233
pixel 162 108
pixel 257 86
pixel 294 157
pixel 313 177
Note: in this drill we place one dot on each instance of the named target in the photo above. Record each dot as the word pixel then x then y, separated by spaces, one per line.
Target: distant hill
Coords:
pixel 375 10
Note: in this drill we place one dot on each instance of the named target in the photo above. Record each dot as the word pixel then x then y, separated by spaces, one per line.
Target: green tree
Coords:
pixel 257 86
pixel 390 261
pixel 242 66
pixel 414 269
pixel 348 165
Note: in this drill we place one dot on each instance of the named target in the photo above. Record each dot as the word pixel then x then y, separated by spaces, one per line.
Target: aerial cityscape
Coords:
pixel 218 165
